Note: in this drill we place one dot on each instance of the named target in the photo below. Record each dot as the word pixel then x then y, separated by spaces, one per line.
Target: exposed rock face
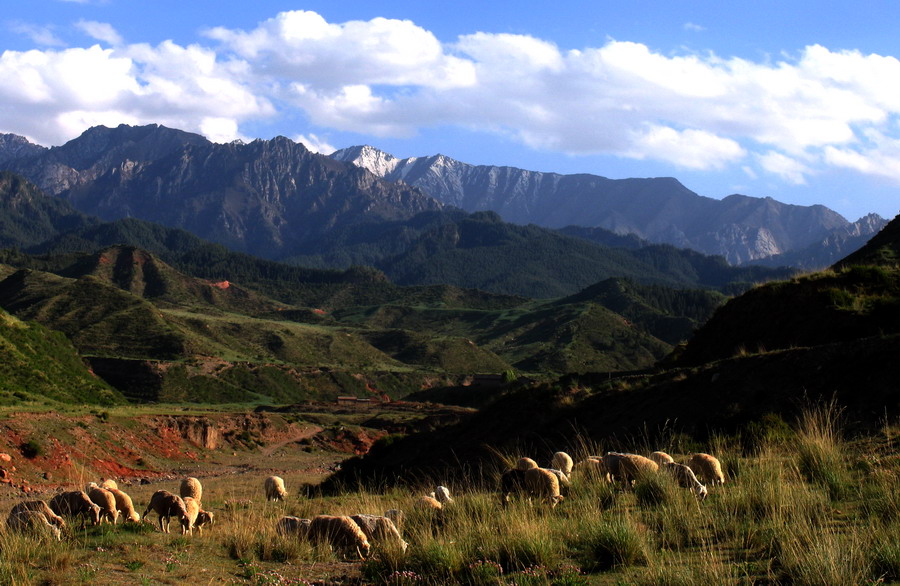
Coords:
pixel 13 146
pixel 266 198
pixel 659 210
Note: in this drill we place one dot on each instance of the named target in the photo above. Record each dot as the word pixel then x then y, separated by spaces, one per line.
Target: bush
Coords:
pixel 604 545
pixel 31 449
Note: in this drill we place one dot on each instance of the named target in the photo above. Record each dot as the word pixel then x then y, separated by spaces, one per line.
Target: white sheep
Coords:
pixel 196 515
pixel 106 501
pixel 592 467
pixel 707 468
pixel 685 478
pixel 563 479
pixel 191 487
pixel 380 530
pixel 562 461
pixel 661 458
pixel 292 526
pixel 429 503
pixel 125 506
pixel 628 467
pixel 40 507
pixel 108 483
pixel 544 485
pixel 339 532
pixel 275 490
pixel 27 521
pixel 442 493
pixel 167 505
pixel 76 503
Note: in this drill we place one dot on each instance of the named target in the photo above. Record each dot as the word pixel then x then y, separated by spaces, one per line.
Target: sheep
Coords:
pixel 544 485
pixel 196 515
pixel 707 468
pixel 395 515
pixel 108 484
pixel 685 478
pixel 442 493
pixel 563 479
pixel 39 507
pixel 526 464
pixel 191 487
pixel 628 467
pixel 125 506
pixel 275 490
pixel 562 461
pixel 339 532
pixel 296 526
pixel 429 503
pixel 661 458
pixel 167 505
pixel 380 530
pixel 593 468
pixel 27 521
pixel 106 501
pixel 76 503
pixel 204 518
pixel 512 482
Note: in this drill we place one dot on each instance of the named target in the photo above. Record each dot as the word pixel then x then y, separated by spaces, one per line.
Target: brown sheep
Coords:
pixel 379 530
pixel 191 487
pixel 167 505
pixel 708 468
pixel 633 467
pixel 543 484
pixel 40 507
pixel 428 503
pixel 340 532
pixel 125 506
pixel 106 501
pixel 661 458
pixel 526 464
pixel 27 521
pixel 76 503
pixel 593 468
pixel 275 490
pixel 512 482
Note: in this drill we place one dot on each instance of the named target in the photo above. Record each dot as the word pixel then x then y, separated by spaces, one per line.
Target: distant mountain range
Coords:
pixel 659 210
pixel 276 200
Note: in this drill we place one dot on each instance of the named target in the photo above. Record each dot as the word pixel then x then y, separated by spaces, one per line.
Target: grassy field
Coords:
pixel 805 507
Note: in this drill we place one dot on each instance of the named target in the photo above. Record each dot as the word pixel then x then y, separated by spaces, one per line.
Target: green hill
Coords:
pixel 41 366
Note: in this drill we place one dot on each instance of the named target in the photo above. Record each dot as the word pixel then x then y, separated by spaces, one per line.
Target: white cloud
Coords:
pixel 792 117
pixel 44 36
pixel 100 31
pixel 315 143
pixel 693 27
pixel 789 169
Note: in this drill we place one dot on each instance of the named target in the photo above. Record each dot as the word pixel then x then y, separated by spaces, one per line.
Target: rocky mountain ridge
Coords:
pixel 659 210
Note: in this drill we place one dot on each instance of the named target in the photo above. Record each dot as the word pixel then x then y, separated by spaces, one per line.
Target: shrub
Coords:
pixel 604 545
pixel 31 449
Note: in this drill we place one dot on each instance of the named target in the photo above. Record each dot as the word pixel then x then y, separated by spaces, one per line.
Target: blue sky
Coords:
pixel 792 100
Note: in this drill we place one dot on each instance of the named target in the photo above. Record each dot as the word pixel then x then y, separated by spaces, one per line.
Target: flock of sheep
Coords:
pixel 357 533
pixel 105 502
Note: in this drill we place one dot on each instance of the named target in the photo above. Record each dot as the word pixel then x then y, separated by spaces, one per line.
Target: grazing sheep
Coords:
pixel 295 526
pixel 191 487
pixel 275 490
pixel 76 503
pixel 339 532
pixel 125 506
pixel 395 515
pixel 512 482
pixel 27 521
pixel 543 484
pixel 593 468
pixel 39 507
pixel 685 478
pixel 661 458
pixel 167 505
pixel 627 468
pixel 106 501
pixel 204 518
pixel 563 479
pixel 562 461
pixel 442 493
pixel 429 503
pixel 380 530
pixel 707 468
pixel 526 464
pixel 108 484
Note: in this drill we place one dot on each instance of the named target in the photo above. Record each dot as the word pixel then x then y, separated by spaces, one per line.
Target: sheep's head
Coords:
pixel 701 492
pixel 204 518
pixel 94 514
